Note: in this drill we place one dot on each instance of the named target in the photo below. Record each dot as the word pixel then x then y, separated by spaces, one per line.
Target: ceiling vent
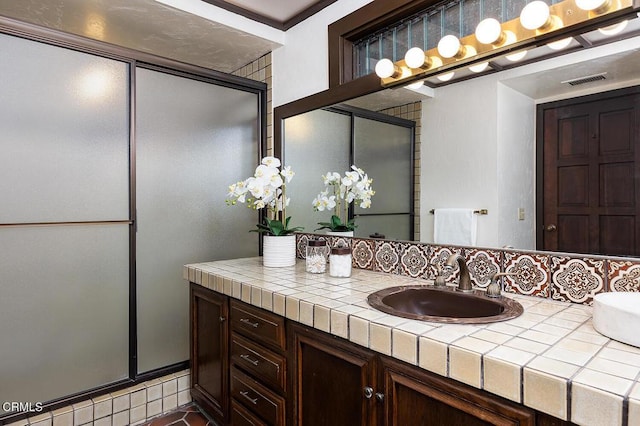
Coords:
pixel 586 79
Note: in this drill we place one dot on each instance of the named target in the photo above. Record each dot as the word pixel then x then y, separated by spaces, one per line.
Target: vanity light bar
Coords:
pixel 563 18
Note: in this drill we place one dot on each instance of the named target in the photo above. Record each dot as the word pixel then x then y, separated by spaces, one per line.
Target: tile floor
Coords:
pixel 186 415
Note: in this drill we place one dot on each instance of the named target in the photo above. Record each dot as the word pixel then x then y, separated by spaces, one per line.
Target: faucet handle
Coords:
pixel 494 289
pixel 439 281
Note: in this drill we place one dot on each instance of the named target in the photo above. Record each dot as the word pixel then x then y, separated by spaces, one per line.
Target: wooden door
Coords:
pixel 209 352
pixel 334 383
pixel 419 398
pixel 591 174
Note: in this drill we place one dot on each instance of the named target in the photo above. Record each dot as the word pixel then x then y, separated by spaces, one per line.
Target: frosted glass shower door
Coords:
pixel 193 139
pixel 384 151
pixel 315 143
pixel 64 221
pixel 65 135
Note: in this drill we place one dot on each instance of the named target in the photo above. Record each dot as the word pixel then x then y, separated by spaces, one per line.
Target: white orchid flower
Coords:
pixel 331 177
pixel 350 178
pixel 366 203
pixel 268 194
pixel 271 162
pixel 255 187
pixel 265 172
pixel 276 181
pixel 287 173
pixel 358 170
pixel 350 197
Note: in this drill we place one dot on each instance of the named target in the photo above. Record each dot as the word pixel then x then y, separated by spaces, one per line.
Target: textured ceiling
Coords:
pixel 147 26
pixel 278 10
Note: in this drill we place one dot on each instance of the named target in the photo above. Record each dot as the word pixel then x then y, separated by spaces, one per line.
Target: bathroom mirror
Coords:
pixel 478 142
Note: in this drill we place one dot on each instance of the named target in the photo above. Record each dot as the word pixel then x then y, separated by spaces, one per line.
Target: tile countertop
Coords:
pixel 550 358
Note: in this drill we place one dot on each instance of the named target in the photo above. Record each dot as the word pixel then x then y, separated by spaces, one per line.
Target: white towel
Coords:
pixel 455 226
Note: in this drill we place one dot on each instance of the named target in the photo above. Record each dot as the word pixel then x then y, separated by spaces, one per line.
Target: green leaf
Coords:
pixel 336 225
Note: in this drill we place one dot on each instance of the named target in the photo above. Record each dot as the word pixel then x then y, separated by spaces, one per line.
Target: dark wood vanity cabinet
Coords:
pixel 339 383
pixel 252 367
pixel 209 351
pixel 418 397
pixel 258 361
pixel 333 381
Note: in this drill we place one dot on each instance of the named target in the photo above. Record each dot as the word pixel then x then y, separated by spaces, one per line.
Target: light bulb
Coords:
pixel 613 29
pixel 559 44
pixel 595 5
pixel 385 68
pixel 479 67
pixel 446 77
pixel 535 15
pixel 416 85
pixel 489 31
pixel 415 58
pixel 449 46
pixel 515 57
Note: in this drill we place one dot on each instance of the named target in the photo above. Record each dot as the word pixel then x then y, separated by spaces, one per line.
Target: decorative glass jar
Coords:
pixel 316 256
pixel 340 262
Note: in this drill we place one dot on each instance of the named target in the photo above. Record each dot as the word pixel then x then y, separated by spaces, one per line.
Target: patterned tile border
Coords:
pixel 387 256
pixel 531 274
pixel 623 275
pixel 439 256
pixel 363 253
pixel 414 260
pixel 482 265
pixel 576 279
pixel 554 276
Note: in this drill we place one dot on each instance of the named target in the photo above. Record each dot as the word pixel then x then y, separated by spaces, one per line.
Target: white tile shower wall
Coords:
pixel 130 406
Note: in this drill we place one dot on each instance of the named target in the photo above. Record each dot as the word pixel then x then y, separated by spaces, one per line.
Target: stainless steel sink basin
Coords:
pixel 428 303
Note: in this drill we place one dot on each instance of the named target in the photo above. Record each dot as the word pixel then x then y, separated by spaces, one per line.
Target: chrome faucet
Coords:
pixel 464 284
pixel 494 289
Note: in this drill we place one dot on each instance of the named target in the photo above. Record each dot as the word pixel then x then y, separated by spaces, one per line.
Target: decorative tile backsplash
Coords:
pixel 556 276
pixel 623 275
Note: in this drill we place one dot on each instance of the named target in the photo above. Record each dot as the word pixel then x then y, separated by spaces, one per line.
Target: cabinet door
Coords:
pixel 209 351
pixel 422 399
pixel 333 381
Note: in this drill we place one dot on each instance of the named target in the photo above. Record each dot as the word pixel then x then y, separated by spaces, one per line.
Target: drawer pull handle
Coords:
pixel 248 322
pixel 368 392
pixel 245 394
pixel 248 359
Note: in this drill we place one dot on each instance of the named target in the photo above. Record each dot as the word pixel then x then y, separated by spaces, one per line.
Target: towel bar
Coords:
pixel 481 211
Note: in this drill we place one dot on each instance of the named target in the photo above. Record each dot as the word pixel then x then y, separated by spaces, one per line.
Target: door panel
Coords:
pixel 591 167
pixel 330 381
pixel 186 137
pixel 209 351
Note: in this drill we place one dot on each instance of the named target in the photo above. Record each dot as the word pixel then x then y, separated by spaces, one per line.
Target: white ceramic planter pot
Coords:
pixel 340 233
pixel 278 252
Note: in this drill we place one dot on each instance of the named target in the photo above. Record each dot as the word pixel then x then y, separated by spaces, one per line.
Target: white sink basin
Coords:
pixel 616 315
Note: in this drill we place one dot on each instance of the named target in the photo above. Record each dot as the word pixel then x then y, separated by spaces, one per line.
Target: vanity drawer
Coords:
pixel 265 365
pixel 258 324
pixel 259 400
pixel 240 416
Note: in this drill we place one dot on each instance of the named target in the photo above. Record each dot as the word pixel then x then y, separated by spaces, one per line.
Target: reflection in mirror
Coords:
pixel 331 140
pixel 315 143
pixel 477 147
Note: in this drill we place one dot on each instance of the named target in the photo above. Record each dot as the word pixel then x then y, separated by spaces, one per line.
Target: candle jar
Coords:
pixel 340 262
pixel 316 256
